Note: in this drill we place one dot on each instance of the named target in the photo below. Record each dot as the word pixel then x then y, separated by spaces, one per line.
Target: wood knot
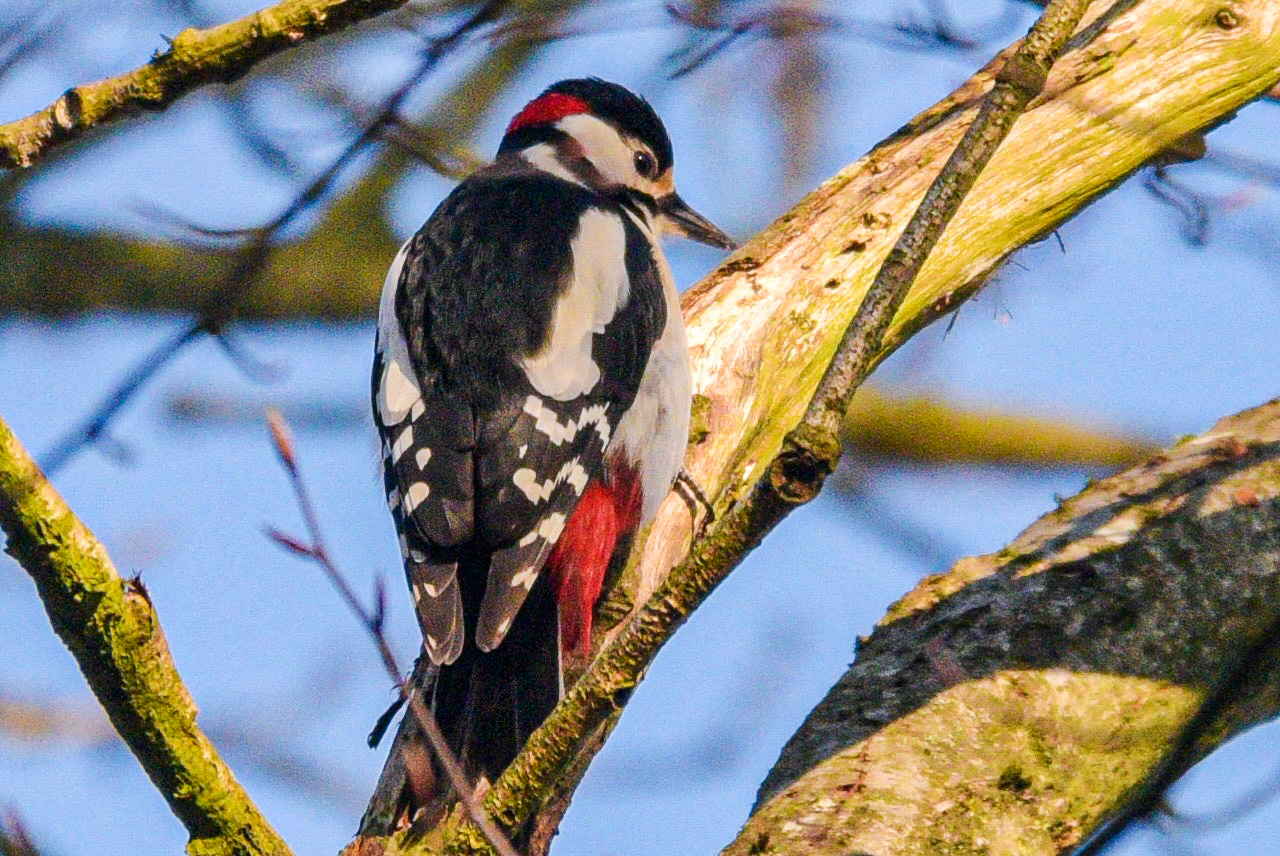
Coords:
pixel 67 111
pixel 808 456
pixel 1226 18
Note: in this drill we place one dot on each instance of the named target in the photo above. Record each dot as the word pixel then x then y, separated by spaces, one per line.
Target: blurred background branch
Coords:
pixel 193 58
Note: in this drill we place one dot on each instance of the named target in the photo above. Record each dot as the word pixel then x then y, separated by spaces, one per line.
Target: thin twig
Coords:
pixel 252 258
pixel 373 622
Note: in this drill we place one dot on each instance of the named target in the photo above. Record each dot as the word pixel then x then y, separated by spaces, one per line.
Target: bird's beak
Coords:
pixel 683 220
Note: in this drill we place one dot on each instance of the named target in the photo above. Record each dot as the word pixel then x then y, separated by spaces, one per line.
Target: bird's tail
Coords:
pixel 487 704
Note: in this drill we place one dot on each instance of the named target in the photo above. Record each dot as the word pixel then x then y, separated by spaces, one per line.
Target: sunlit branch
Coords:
pixel 112 630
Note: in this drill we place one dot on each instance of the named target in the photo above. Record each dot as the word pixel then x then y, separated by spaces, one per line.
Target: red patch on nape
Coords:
pixel 546 109
pixel 580 559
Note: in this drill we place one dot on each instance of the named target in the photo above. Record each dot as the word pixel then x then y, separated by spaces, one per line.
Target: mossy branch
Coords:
pixel 193 59
pixel 111 628
pixel 1024 695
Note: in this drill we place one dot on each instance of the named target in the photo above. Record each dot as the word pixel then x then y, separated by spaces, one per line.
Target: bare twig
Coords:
pixel 249 262
pixel 373 623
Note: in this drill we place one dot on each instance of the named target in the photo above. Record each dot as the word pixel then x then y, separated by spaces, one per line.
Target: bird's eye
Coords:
pixel 645 165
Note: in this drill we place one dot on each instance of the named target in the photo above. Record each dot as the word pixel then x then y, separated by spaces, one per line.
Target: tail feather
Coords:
pixel 488 703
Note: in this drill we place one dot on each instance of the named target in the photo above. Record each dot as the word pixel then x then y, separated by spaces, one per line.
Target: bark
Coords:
pixel 111 628
pixel 1011 703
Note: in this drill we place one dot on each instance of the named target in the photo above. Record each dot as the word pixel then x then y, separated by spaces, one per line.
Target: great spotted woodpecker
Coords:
pixel 531 387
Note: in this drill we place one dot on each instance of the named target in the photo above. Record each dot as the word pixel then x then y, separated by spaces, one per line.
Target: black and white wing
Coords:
pixel 511 343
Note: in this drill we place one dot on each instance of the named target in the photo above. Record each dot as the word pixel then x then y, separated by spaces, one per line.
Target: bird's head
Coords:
pixel 609 139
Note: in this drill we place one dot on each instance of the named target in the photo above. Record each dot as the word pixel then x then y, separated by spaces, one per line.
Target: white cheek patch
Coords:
pixel 544 157
pixel 602 145
pixel 598 287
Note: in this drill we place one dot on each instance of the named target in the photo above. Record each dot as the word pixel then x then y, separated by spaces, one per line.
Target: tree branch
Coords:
pixel 764 326
pixel 1024 695
pixel 193 59
pixel 112 630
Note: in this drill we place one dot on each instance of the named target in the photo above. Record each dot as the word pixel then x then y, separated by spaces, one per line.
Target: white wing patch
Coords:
pixel 398 392
pixel 551 527
pixel 402 443
pixel 421 457
pixel 525 578
pixel 598 287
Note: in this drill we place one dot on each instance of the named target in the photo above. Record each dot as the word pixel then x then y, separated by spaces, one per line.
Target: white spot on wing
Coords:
pixel 421 457
pixel 540 491
pixel 551 527
pixel 402 444
pixel 525 578
pixel 560 432
pixel 418 491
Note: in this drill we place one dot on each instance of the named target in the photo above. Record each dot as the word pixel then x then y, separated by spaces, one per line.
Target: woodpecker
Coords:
pixel 532 392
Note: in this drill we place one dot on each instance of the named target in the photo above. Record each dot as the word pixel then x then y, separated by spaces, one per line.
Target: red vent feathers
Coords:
pixel 549 108
pixel 580 559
